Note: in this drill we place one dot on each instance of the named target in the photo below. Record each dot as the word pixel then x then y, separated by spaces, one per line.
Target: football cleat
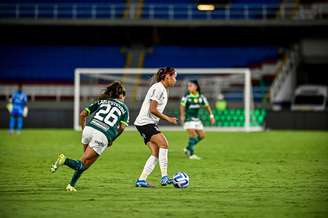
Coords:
pixel 59 162
pixel 187 152
pixel 194 157
pixel 165 180
pixel 143 184
pixel 70 188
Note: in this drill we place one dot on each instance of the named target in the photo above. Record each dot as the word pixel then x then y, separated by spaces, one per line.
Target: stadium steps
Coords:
pixel 283 80
pixel 288 9
pixel 135 58
pixel 139 9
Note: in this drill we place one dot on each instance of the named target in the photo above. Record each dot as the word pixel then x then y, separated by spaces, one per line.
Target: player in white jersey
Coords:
pixel 150 113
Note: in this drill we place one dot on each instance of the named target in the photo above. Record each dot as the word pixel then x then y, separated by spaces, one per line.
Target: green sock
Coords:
pixel 198 138
pixel 191 145
pixel 75 177
pixel 74 164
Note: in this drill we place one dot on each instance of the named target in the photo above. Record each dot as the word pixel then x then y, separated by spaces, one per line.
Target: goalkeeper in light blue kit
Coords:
pixel 17 108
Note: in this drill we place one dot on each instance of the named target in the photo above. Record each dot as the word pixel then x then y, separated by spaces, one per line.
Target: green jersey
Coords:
pixel 192 104
pixel 106 116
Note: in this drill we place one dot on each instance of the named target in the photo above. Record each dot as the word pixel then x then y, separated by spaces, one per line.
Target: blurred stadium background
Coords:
pixel 283 42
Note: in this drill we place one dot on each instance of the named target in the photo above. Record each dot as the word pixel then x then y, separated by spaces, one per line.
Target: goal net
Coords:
pixel 229 92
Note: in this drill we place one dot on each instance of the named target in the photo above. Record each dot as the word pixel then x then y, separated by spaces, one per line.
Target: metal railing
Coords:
pixel 161 11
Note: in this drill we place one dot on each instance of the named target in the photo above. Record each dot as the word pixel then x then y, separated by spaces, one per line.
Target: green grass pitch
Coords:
pixel 266 174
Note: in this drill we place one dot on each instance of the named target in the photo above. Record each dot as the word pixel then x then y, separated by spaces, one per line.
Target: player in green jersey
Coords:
pixel 107 118
pixel 189 109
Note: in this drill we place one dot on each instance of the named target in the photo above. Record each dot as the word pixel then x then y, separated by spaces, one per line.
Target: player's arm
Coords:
pixel 120 130
pixel 182 113
pixel 86 112
pixel 209 110
pixel 83 118
pixel 10 104
pixel 25 111
pixel 182 109
pixel 153 110
pixel 124 122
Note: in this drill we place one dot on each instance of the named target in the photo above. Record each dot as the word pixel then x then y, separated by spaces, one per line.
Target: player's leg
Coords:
pixel 63 160
pixel 200 134
pixel 161 141
pixel 149 165
pixel 84 147
pixel 97 146
pixel 192 141
pixel 19 124
pixel 11 123
pixel 12 120
pixel 88 158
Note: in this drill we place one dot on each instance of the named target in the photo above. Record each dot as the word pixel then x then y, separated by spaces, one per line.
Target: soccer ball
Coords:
pixel 181 180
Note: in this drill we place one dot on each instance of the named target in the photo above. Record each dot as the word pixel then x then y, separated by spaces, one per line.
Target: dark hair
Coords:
pixel 113 90
pixel 197 84
pixel 162 72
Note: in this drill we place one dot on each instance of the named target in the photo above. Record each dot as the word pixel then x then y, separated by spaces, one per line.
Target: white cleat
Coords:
pixel 59 162
pixel 194 157
pixel 70 188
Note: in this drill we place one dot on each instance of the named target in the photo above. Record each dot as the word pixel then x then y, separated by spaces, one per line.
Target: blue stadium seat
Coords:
pixel 54 63
pixel 57 63
pixel 61 1
pixel 208 57
pixel 237 8
pixel 64 8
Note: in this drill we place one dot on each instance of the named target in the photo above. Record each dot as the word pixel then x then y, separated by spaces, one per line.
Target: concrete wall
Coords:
pixel 297 120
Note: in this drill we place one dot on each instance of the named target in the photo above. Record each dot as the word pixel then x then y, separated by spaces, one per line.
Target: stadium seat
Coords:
pixel 54 63
pixel 232 117
pixel 208 57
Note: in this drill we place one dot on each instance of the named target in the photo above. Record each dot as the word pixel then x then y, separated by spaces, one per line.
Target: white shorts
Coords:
pixel 193 125
pixel 95 139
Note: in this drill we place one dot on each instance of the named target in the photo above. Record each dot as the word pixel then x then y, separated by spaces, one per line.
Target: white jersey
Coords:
pixel 157 92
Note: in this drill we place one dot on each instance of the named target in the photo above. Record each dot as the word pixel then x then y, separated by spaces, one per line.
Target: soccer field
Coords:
pixel 267 174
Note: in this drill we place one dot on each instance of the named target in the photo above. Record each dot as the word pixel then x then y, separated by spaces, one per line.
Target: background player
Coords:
pixel 150 113
pixel 108 118
pixel 189 115
pixel 17 108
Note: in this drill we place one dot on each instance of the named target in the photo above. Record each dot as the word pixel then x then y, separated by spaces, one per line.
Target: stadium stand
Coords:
pixel 236 9
pixel 209 57
pixel 47 75
pixel 151 9
pixel 80 9
pixel 53 64
pixel 50 63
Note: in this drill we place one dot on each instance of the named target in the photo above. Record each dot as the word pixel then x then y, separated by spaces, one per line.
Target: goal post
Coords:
pixel 97 78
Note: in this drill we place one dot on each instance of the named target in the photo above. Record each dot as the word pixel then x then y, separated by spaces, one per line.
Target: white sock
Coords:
pixel 163 160
pixel 149 167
